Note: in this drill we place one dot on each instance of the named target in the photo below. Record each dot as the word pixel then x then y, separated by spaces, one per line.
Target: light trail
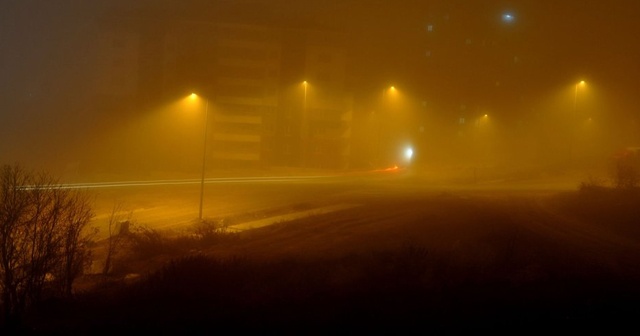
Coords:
pixel 214 180
pixel 116 184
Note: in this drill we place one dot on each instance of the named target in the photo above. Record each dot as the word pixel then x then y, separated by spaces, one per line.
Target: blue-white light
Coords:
pixel 508 17
pixel 408 153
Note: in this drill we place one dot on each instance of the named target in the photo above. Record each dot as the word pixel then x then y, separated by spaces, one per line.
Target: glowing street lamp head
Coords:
pixel 408 153
pixel 193 96
pixel 391 90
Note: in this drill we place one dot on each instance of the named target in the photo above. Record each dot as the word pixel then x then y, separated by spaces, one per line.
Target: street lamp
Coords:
pixel 305 84
pixel 305 126
pixel 204 151
pixel 575 96
pixel 381 116
pixel 574 116
pixel 390 89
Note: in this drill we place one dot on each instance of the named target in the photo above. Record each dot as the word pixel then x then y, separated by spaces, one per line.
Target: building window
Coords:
pixel 323 76
pixel 118 43
pixel 324 58
pixel 118 63
pixel 272 73
pixel 273 55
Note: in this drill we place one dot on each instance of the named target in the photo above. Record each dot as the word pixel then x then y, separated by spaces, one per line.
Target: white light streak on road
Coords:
pixel 116 184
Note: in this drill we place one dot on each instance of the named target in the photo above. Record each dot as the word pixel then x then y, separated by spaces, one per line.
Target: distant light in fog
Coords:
pixel 575 96
pixel 391 91
pixel 193 96
pixel 508 17
pixel 408 153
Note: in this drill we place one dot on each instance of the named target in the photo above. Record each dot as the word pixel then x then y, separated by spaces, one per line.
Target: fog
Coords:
pixel 96 91
pixel 281 165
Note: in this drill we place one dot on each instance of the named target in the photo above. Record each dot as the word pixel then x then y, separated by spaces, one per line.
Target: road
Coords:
pixel 174 204
pixel 380 205
pixel 534 249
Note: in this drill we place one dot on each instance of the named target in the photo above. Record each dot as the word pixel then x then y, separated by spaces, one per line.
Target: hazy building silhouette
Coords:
pixel 262 114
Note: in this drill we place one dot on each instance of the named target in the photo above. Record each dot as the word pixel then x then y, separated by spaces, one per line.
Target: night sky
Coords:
pixel 487 53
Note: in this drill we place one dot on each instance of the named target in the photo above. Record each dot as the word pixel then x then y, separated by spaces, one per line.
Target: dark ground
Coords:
pixel 442 263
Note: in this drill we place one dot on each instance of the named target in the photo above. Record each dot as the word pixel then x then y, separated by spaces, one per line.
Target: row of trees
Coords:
pixel 43 239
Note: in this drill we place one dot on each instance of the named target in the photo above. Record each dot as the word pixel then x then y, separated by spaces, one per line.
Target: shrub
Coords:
pixel 211 232
pixel 592 185
pixel 147 242
pixel 625 175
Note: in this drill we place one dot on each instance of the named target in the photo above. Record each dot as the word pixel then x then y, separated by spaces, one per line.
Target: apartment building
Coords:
pixel 260 112
pixel 327 115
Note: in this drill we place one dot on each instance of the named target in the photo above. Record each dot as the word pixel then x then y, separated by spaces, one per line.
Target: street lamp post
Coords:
pixel 575 96
pixel 381 116
pixel 305 93
pixel 204 152
pixel 574 117
pixel 305 126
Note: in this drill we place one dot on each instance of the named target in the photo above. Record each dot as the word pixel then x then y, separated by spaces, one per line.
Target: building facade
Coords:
pixel 277 97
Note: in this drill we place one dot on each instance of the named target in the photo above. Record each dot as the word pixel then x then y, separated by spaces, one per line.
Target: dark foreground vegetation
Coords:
pixel 409 290
pixel 501 273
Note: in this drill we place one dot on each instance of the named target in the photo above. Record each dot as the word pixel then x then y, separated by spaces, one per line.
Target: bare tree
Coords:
pixel 117 227
pixel 76 254
pixel 14 208
pixel 42 237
